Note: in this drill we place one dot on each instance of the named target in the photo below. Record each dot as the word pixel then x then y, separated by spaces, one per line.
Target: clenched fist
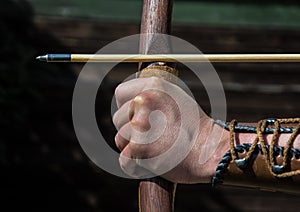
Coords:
pixel 163 131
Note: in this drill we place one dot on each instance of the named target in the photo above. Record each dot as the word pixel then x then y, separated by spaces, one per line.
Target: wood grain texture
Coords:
pixel 156 18
pixel 155 194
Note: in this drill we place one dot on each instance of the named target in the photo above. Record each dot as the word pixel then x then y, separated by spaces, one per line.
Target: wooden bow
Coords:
pixel 155 194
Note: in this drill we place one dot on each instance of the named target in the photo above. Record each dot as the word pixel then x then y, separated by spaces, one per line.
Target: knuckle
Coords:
pixel 118 91
pixel 126 164
pixel 155 82
pixel 139 150
pixel 141 123
pixel 139 99
pixel 149 96
pixel 115 119
pixel 118 142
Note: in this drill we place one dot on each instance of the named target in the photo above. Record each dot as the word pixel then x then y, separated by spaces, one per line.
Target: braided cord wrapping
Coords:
pixel 258 165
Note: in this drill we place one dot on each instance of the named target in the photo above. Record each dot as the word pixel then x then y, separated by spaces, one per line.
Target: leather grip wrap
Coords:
pixel 161 71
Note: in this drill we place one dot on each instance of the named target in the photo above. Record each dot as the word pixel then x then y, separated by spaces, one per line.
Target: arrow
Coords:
pixel 133 58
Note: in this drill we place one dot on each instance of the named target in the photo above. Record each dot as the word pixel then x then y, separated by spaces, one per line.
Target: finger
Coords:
pixel 125 127
pixel 136 111
pixel 128 90
pixel 123 136
pixel 139 112
pixel 131 167
pixel 121 117
pixel 120 142
pixel 134 150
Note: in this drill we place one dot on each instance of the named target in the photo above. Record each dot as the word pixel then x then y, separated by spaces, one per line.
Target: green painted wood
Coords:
pixel 185 12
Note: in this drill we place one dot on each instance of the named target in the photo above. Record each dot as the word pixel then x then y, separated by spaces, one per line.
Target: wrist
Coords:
pixel 213 146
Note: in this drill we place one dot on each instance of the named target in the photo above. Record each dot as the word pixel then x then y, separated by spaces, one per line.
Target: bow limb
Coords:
pixel 155 194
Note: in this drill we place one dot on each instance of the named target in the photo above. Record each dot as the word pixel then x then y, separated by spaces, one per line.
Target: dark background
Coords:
pixel 42 166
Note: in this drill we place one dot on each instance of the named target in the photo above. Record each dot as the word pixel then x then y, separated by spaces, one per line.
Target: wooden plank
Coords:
pixel 218 13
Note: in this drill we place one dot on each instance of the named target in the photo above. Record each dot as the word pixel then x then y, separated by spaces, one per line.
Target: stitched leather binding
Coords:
pixel 257 165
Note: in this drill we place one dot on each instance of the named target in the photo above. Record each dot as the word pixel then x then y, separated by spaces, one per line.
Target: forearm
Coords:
pixel 239 138
pixel 263 158
pixel 249 138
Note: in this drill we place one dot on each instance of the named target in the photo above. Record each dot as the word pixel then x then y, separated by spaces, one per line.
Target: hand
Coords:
pixel 162 130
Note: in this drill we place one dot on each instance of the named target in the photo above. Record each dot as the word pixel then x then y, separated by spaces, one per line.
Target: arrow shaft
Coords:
pixel 133 58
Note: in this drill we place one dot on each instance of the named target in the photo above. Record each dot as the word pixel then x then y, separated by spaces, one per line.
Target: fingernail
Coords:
pixel 138 100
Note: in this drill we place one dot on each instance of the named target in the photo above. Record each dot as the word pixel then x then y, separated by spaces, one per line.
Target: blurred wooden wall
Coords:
pixel 253 91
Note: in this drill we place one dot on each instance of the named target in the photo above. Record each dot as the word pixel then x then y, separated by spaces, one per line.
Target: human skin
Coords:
pixel 136 102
